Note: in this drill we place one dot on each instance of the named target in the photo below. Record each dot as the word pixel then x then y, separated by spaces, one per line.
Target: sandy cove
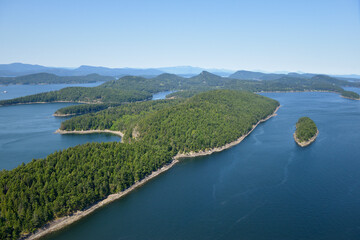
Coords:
pixel 307 143
pixel 90 132
pixel 60 223
pixel 64 115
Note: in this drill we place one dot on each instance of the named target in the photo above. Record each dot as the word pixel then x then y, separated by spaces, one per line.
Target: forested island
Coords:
pixel 306 131
pixel 83 108
pixel 156 134
pixel 47 78
pixel 350 95
pixel 92 95
pixel 134 88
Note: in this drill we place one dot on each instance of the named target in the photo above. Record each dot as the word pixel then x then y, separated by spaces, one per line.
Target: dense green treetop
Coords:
pixel 71 180
pixel 119 118
pixel 305 129
pixel 184 121
pixel 84 108
pixel 82 94
pixel 207 120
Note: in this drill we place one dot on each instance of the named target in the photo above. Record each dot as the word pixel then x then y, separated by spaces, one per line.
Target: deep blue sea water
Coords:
pixel 27 131
pixel 266 187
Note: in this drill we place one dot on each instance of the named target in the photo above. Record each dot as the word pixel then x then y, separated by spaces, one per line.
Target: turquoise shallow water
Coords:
pixel 264 188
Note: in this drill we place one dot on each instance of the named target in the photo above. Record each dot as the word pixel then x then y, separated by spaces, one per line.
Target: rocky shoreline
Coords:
pixel 306 143
pixel 60 223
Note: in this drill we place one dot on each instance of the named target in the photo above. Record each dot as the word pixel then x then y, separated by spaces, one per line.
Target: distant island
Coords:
pixel 134 88
pixel 350 95
pixel 306 131
pixel 47 78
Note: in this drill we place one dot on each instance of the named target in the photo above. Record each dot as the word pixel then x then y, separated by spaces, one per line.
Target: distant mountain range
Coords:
pixel 249 75
pixel 255 75
pixel 21 69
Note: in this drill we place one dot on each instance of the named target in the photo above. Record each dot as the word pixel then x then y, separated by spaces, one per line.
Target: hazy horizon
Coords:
pixel 213 70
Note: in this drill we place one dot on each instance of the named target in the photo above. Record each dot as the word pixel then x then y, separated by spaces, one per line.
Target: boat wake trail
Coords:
pixel 242 218
pixel 286 170
pixel 258 133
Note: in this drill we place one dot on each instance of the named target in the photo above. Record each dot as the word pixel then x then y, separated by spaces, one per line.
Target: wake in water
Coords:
pixel 242 218
pixel 255 135
pixel 286 170
pixel 248 192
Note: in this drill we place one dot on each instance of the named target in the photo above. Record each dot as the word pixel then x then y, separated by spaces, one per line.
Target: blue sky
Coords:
pixel 320 36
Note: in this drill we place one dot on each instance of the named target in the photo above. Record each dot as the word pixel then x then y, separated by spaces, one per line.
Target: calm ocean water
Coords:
pixel 27 131
pixel 14 91
pixel 264 188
